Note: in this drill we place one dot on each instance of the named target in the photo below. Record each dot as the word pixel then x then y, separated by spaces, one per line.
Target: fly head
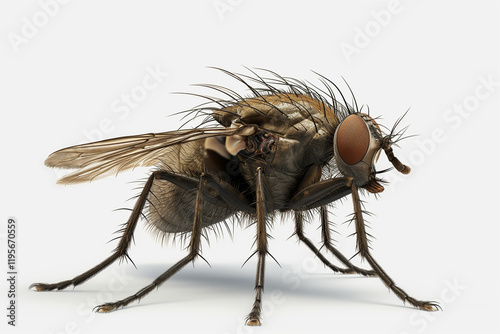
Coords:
pixel 358 142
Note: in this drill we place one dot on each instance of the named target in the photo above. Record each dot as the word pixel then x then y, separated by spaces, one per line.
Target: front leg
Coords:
pixel 299 231
pixel 313 193
pixel 327 242
pixel 363 248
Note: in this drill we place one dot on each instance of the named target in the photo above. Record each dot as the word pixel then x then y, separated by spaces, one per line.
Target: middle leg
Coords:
pixel 264 206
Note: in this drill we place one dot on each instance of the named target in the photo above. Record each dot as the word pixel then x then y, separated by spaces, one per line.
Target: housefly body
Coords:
pixel 290 148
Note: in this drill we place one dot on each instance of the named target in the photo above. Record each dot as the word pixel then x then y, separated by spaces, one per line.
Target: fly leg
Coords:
pixel 300 234
pixel 208 190
pixel 119 252
pixel 264 206
pixel 194 247
pixel 218 190
pixel 315 194
pixel 362 244
pixel 327 242
pixel 311 177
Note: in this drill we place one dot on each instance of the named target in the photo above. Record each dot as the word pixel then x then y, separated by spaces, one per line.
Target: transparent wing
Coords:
pixel 115 155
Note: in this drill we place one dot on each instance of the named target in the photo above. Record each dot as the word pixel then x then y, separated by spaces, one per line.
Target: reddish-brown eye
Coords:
pixel 353 139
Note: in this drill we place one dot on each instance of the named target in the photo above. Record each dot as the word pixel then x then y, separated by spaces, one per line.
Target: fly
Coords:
pixel 290 147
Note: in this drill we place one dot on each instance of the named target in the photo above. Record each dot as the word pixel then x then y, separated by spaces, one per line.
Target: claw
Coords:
pixel 431 307
pixel 105 308
pixel 253 322
pixel 39 287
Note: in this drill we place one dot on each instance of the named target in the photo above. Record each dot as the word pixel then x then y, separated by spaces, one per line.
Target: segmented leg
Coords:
pixel 300 234
pixel 194 247
pixel 217 190
pixel 313 193
pixel 263 205
pixel 327 241
pixel 364 252
pixel 119 252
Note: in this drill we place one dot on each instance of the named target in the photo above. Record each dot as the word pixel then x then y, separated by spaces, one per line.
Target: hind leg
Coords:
pixel 194 248
pixel 119 252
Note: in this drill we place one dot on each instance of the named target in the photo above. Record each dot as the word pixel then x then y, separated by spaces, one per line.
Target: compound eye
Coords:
pixel 353 139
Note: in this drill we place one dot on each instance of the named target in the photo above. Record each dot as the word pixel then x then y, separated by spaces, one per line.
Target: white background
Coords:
pixel 436 229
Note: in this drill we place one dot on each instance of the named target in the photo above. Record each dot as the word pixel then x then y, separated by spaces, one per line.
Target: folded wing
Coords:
pixel 112 156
